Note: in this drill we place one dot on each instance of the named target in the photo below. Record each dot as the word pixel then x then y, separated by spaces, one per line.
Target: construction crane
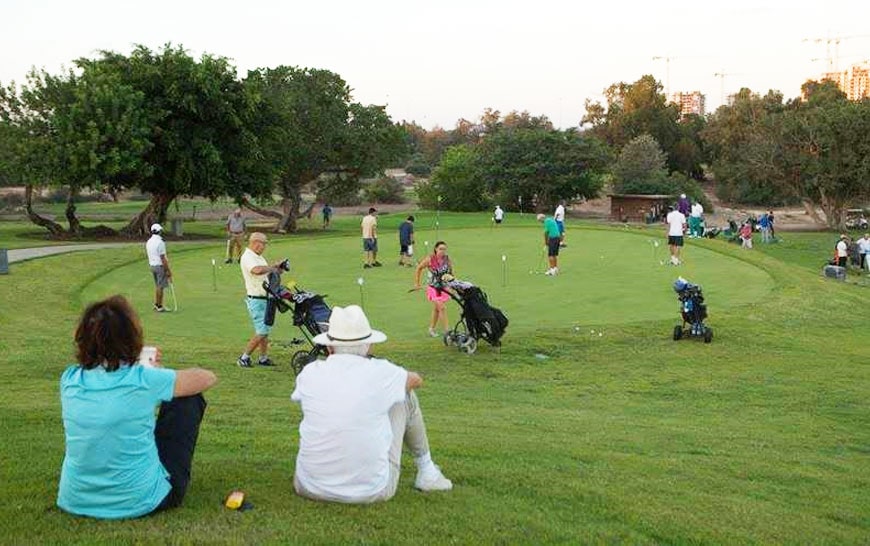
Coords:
pixel 834 57
pixel 667 61
pixel 721 76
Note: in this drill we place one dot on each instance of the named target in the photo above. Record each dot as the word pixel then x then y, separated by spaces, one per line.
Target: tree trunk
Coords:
pixel 140 226
pixel 53 227
pixel 260 210
pixel 810 209
pixel 833 209
pixel 308 212
pixel 75 226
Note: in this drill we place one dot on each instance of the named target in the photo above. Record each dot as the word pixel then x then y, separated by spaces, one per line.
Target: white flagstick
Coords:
pixel 362 298
pixel 503 270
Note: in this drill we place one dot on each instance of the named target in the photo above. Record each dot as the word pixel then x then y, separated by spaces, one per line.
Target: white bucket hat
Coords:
pixel 349 326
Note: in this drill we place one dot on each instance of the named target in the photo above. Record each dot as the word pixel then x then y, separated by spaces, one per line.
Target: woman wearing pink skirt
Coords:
pixel 440 272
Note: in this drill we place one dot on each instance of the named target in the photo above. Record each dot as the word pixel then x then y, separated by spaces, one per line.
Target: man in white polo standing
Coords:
pixel 255 270
pixel 155 249
pixel 676 221
pixel 559 217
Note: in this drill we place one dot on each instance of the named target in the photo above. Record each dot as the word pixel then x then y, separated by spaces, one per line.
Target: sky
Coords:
pixel 437 62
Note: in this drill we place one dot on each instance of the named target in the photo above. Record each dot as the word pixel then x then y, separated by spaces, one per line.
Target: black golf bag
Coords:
pixel 310 314
pixel 479 320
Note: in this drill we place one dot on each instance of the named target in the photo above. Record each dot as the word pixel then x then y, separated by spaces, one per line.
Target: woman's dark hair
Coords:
pixel 437 244
pixel 108 334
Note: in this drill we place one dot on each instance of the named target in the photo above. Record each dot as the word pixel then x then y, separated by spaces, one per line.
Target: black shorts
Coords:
pixel 675 240
pixel 553 246
pixel 403 250
pixel 497 220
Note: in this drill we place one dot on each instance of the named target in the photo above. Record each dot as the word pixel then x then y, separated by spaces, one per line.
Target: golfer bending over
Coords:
pixel 255 270
pixel 121 462
pixel 552 240
pixel 357 411
pixel 440 273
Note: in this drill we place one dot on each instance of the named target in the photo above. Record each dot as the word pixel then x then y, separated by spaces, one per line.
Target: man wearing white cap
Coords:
pixel 155 249
pixel 357 411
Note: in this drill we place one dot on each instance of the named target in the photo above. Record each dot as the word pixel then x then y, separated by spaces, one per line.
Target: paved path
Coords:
pixel 22 254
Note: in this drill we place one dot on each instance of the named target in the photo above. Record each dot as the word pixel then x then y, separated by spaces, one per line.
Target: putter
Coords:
pixel 228 250
pixel 537 270
pixel 174 299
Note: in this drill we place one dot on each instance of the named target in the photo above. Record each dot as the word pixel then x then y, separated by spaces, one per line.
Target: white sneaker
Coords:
pixel 549 272
pixel 433 333
pixel 431 479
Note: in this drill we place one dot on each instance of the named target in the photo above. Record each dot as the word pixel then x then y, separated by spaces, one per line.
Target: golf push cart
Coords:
pixel 693 311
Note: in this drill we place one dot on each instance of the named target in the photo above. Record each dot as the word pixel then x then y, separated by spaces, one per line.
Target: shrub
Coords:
pixel 384 190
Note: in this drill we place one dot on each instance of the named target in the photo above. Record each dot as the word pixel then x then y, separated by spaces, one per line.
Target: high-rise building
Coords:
pixel 855 82
pixel 690 102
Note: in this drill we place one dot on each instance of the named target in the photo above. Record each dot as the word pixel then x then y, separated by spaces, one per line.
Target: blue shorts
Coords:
pixel 561 225
pixel 370 245
pixel 257 311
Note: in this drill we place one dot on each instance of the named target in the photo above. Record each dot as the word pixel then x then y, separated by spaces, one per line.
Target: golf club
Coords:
pixel 540 262
pixel 228 250
pixel 174 298
pixel 214 275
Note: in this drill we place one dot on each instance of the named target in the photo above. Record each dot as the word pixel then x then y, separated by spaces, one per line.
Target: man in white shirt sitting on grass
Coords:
pixel 357 412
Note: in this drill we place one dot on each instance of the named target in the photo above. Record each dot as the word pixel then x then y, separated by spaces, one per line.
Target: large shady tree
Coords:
pixel 541 167
pixel 163 123
pixel 309 126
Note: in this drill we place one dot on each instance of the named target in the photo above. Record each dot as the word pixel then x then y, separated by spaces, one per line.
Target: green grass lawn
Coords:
pixel 564 436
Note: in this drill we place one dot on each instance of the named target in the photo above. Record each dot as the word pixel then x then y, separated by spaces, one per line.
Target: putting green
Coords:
pixel 607 278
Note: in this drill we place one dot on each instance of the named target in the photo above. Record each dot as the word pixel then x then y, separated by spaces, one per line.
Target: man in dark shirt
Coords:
pixel 406 242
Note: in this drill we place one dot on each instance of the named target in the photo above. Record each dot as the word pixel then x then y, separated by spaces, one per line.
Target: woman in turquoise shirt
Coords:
pixel 120 461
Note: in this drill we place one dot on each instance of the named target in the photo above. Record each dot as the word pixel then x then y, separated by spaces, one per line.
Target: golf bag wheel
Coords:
pixel 299 360
pixel 469 345
pixel 708 335
pixel 678 333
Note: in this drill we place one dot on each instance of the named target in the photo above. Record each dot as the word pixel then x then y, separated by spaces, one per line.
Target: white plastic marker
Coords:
pixel 362 297
pixel 503 270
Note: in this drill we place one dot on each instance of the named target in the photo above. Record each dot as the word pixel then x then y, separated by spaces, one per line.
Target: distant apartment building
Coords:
pixel 855 82
pixel 689 102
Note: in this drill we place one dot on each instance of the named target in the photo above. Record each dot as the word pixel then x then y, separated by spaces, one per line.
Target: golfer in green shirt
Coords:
pixel 552 240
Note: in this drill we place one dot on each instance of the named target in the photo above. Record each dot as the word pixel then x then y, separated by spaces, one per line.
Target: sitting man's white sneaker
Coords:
pixel 431 479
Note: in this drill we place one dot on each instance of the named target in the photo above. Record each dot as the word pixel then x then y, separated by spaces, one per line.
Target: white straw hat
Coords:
pixel 349 326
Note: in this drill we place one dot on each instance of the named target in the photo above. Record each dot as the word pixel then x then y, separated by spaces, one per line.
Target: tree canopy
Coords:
pixel 310 127
pixel 530 167
pixel 814 150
